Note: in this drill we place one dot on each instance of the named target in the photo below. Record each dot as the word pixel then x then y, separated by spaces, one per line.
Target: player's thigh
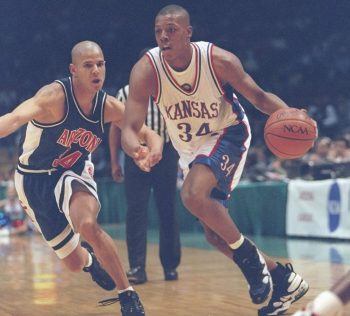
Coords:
pixel 76 195
pixel 38 200
pixel 200 180
pixel 84 207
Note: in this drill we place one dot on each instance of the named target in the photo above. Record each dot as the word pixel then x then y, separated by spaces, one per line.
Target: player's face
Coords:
pixel 173 35
pixel 90 70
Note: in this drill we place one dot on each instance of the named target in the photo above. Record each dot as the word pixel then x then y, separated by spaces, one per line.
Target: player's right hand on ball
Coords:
pixel 313 121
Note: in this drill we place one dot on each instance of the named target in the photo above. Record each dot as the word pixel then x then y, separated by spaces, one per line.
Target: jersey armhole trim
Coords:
pixel 212 68
pixel 103 112
pixel 157 75
pixel 43 125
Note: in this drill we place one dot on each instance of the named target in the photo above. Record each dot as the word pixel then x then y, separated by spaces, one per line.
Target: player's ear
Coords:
pixel 72 69
pixel 189 32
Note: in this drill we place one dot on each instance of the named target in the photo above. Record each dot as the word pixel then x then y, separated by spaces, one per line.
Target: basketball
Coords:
pixel 290 133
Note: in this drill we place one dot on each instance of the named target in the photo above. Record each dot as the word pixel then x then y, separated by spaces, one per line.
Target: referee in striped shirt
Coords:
pixel 138 184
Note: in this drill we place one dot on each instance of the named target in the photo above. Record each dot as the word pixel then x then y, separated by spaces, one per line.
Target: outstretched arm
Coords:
pixel 33 108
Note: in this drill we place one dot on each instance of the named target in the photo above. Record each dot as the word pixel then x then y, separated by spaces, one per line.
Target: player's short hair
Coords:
pixel 83 46
pixel 174 9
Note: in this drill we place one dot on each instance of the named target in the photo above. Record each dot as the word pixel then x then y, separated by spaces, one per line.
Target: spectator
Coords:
pixel 256 165
pixel 18 222
pixel 276 170
pixel 320 154
pixel 339 151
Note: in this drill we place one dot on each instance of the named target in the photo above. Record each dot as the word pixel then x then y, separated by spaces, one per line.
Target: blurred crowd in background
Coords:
pixel 299 50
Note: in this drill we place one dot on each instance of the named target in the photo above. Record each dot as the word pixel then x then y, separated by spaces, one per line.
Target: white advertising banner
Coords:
pixel 318 208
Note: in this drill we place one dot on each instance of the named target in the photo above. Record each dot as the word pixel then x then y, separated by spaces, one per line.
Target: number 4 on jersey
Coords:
pixel 67 161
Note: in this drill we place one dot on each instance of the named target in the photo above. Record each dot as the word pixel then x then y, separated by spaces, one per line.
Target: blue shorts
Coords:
pixel 45 198
pixel 226 158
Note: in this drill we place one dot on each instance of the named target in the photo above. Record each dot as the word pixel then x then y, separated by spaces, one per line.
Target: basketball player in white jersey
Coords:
pixel 191 84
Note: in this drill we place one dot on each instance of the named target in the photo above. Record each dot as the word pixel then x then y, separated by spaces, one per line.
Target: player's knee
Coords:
pixel 88 228
pixel 193 200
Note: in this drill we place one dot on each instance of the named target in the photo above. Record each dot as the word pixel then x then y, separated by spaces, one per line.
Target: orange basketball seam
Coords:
pixel 292 120
pixel 285 137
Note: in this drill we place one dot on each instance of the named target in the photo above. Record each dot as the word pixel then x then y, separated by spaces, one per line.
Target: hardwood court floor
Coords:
pixel 34 283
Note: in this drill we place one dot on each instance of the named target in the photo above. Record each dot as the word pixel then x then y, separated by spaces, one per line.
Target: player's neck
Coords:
pixel 84 98
pixel 182 60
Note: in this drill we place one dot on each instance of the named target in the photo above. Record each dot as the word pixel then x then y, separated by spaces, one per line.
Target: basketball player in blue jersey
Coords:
pixel 191 84
pixel 64 123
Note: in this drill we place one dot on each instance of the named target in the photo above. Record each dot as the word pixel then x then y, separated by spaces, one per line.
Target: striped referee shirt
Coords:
pixel 154 119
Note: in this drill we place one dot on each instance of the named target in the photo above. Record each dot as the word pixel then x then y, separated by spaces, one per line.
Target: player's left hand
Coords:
pixel 141 158
pixel 154 156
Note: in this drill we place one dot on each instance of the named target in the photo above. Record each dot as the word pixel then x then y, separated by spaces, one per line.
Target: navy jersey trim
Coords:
pixel 78 107
pixel 104 98
pixel 231 98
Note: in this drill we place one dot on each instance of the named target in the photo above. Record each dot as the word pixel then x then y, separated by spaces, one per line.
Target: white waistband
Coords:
pixel 49 171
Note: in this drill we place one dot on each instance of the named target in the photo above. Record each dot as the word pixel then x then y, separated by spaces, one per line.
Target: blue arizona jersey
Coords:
pixel 64 144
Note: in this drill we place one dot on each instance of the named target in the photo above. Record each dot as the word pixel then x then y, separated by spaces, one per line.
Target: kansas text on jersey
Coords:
pixel 193 102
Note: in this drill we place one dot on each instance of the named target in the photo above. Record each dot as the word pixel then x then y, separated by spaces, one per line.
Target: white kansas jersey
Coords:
pixel 193 103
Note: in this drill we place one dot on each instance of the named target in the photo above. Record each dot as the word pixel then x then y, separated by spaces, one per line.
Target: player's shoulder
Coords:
pixel 50 93
pixel 114 109
pixel 51 88
pixel 145 63
pixel 222 54
pixel 143 70
pixel 223 59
